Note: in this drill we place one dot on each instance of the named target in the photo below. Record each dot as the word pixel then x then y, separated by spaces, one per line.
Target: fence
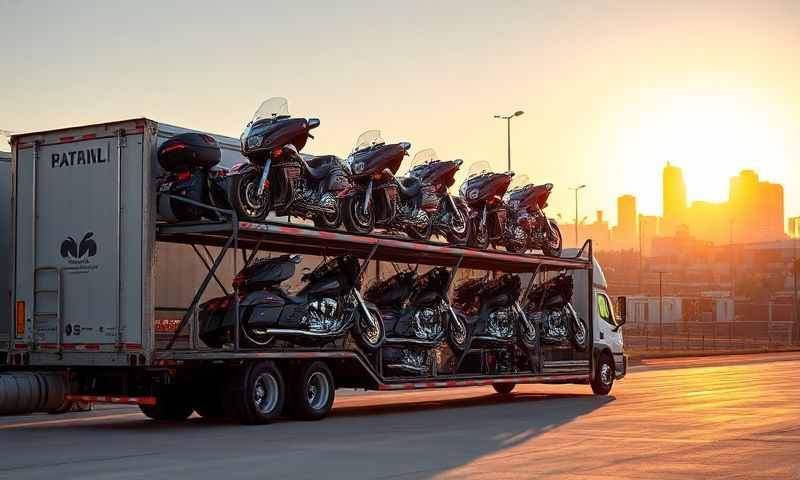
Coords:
pixel 710 336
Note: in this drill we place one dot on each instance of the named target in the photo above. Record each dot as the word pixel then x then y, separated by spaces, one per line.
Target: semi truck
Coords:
pixel 105 296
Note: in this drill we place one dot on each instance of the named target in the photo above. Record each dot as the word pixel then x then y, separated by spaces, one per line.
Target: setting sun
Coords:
pixel 711 134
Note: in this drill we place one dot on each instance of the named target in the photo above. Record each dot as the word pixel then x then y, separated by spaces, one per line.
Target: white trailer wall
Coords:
pixel 5 248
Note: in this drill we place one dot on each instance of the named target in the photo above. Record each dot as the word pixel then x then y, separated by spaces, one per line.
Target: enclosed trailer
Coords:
pixel 108 296
pixel 5 246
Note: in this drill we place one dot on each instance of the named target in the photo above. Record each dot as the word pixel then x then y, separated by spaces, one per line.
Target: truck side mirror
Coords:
pixel 622 311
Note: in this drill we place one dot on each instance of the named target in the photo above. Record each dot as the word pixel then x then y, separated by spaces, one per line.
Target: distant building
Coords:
pixel 626 232
pixel 794 227
pixel 756 208
pixel 674 198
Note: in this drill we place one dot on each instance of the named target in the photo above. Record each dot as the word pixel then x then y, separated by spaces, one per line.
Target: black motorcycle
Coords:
pixel 492 312
pixel 426 207
pixel 417 317
pixel 279 177
pixel 519 225
pixel 190 162
pixel 530 229
pixel 373 200
pixel 327 307
pixel 549 306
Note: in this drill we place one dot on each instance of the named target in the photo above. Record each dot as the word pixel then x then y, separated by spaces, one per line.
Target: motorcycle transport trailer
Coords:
pixel 106 297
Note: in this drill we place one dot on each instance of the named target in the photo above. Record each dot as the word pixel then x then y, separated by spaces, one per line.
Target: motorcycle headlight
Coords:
pixel 358 167
pixel 473 194
pixel 254 141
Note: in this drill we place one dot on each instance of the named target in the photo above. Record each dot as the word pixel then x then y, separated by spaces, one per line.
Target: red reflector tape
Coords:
pixel 66 139
pixel 112 399
pixel 88 136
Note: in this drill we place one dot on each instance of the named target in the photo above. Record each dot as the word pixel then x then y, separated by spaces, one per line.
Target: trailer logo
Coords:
pixel 70 249
pixel 77 157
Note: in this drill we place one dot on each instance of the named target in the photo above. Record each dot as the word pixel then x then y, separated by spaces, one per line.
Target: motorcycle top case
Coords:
pixel 266 272
pixel 188 150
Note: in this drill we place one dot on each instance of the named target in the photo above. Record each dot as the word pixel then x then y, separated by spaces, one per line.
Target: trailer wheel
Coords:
pixel 207 400
pixel 256 395
pixel 311 392
pixel 503 388
pixel 603 375
pixel 171 404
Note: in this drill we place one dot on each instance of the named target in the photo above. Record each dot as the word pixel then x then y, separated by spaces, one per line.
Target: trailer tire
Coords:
pixel 311 392
pixel 207 400
pixel 504 388
pixel 603 378
pixel 256 394
pixel 171 404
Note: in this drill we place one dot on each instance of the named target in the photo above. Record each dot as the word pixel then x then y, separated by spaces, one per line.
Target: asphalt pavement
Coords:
pixel 718 417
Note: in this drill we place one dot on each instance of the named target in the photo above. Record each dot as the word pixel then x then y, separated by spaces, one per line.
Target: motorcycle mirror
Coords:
pixel 313 123
pixel 295 259
pixel 405 146
pixel 458 162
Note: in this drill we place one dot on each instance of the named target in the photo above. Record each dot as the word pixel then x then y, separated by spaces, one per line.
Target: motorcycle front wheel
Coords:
pixel 457 335
pixel 553 245
pixel 479 237
pixel 369 331
pixel 356 220
pixel 244 197
pixel 458 227
pixel 577 333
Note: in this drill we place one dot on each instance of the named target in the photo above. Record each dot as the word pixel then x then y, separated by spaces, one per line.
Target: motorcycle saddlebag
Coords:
pixel 191 186
pixel 189 150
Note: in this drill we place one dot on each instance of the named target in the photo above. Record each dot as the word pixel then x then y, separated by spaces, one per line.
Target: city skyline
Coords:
pixel 753 212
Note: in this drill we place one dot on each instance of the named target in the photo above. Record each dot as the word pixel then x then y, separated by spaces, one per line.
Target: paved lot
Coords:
pixel 724 417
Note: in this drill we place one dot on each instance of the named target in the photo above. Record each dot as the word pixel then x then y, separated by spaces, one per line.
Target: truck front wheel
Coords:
pixel 603 375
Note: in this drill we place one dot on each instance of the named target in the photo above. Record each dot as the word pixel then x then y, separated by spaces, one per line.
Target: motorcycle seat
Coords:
pixel 409 186
pixel 319 167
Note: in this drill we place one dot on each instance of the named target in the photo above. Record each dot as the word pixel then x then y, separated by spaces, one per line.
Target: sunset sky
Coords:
pixel 611 90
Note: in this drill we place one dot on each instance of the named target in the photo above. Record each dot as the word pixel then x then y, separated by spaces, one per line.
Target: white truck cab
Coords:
pixel 606 326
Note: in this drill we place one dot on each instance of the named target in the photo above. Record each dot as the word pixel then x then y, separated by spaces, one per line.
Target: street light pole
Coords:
pixel 660 310
pixel 508 118
pixel 576 211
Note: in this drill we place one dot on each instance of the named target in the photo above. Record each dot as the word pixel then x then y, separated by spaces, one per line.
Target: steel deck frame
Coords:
pixel 304 239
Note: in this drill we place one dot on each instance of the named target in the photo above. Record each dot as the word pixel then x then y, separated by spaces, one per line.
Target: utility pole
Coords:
pixel 733 266
pixel 795 268
pixel 660 310
pixel 641 234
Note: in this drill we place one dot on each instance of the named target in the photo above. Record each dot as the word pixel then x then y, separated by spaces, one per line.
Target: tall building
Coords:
pixel 756 208
pixel 625 233
pixel 674 196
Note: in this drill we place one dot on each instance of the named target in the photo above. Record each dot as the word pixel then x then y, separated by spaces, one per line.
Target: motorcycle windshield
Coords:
pixel 272 109
pixel 421 160
pixel 519 182
pixel 367 140
pixel 478 168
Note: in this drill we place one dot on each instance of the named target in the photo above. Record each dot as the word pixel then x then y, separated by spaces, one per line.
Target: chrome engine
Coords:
pixel 428 322
pixel 309 196
pixel 415 216
pixel 408 360
pixel 501 323
pixel 322 316
pixel 554 324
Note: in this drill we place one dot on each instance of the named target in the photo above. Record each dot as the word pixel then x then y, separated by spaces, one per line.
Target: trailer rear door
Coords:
pixel 79 233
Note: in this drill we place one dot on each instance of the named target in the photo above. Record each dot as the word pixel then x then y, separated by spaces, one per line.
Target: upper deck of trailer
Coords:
pixel 305 239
